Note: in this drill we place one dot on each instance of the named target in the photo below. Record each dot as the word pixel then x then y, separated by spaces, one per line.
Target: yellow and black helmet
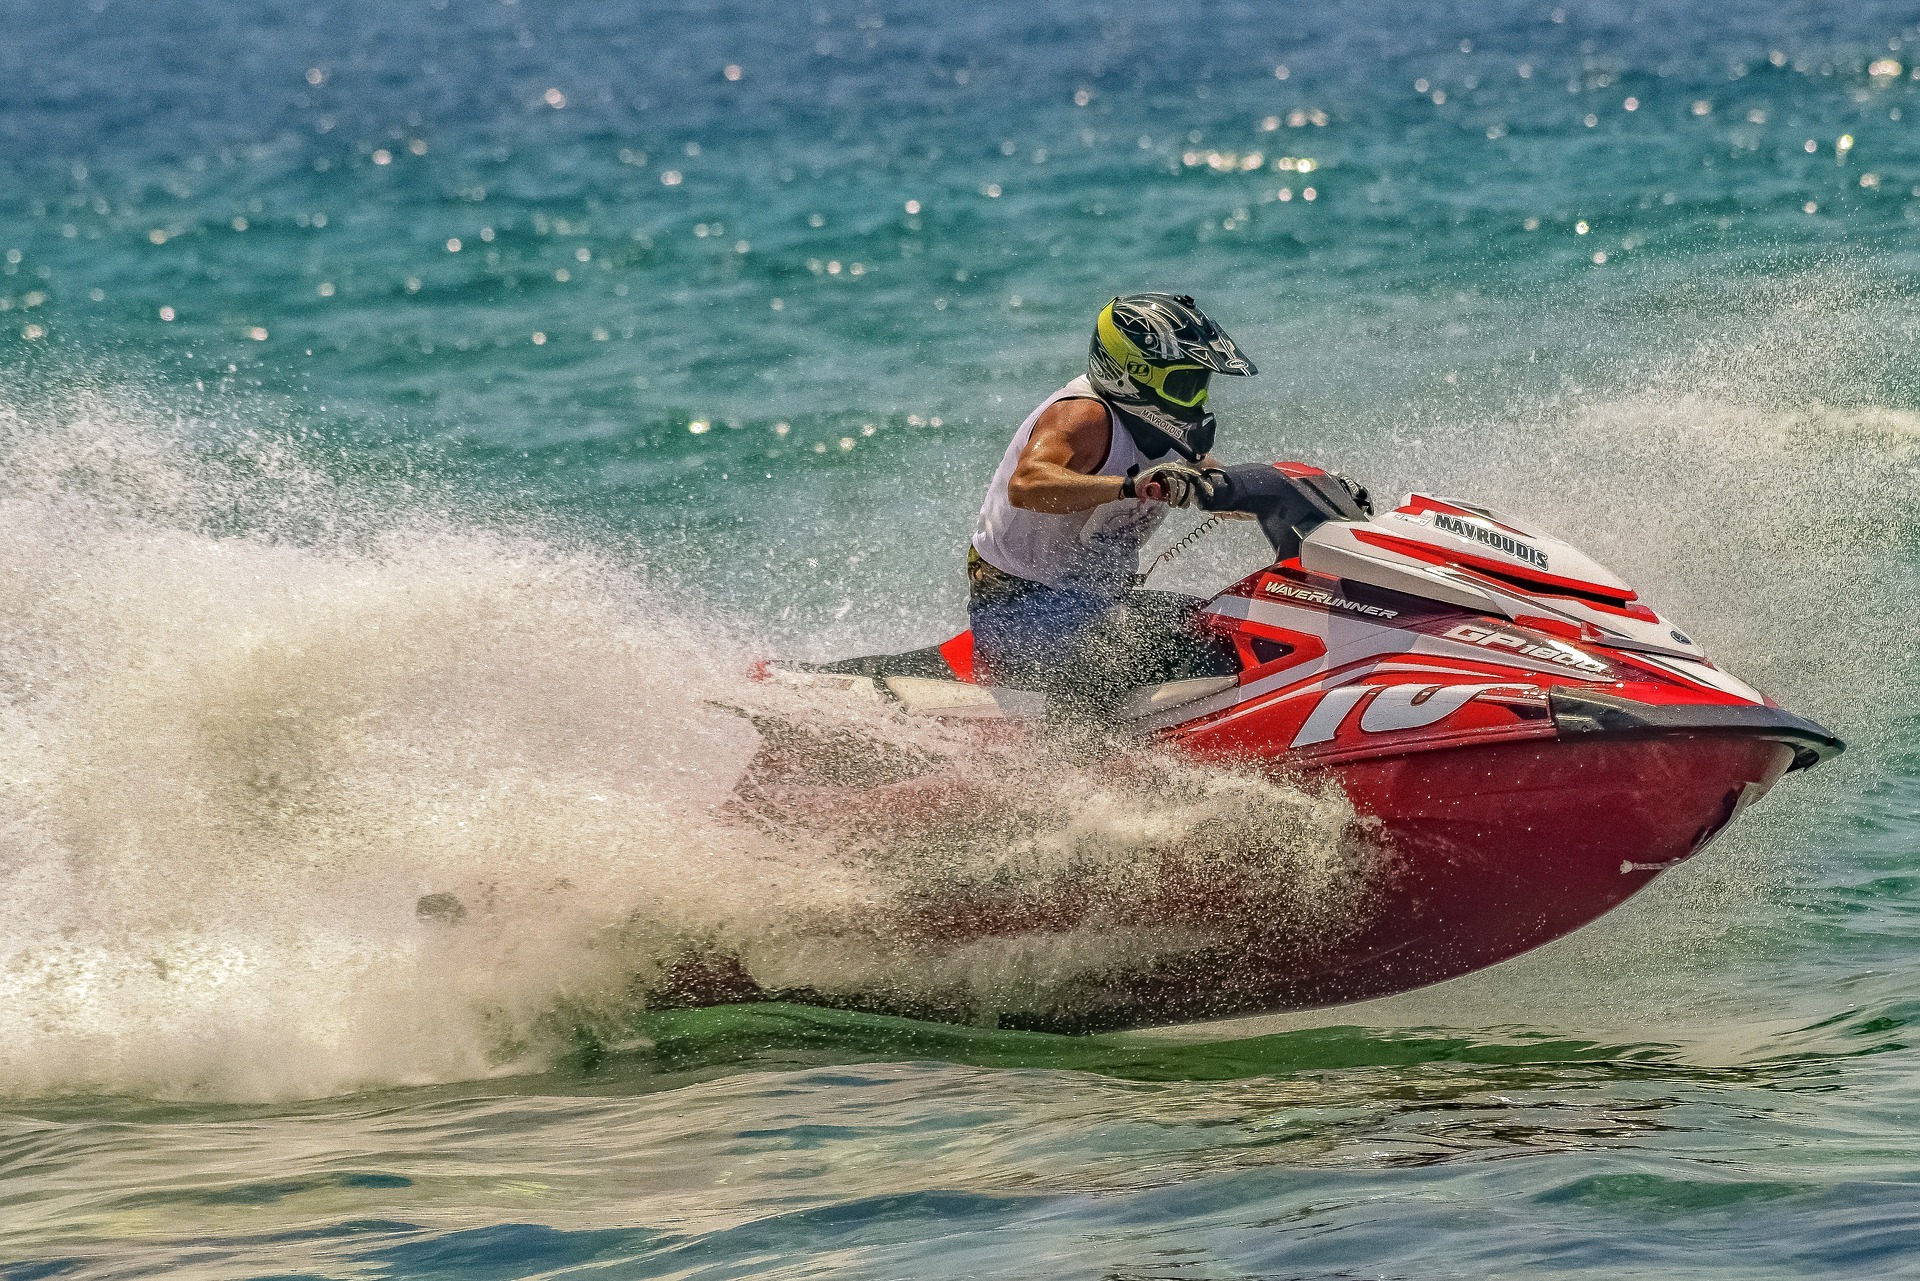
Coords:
pixel 1152 356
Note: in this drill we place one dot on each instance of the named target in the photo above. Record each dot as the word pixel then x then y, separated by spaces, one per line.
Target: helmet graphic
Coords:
pixel 1152 356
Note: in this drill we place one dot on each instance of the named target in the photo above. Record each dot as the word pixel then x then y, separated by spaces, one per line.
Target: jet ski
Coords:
pixel 1527 741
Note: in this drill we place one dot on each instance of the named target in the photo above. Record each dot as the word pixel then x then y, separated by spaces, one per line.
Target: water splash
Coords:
pixel 300 795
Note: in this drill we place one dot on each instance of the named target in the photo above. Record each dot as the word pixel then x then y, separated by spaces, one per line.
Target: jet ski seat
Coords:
pixel 1153 652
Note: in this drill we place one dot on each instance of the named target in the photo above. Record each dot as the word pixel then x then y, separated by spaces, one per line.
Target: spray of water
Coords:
pixel 301 795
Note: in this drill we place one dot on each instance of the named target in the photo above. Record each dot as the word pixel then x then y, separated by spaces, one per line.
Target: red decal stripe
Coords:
pixel 1421 503
pixel 959 655
pixel 1550 583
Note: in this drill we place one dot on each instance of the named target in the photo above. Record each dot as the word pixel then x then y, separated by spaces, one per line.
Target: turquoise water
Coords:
pixel 344 565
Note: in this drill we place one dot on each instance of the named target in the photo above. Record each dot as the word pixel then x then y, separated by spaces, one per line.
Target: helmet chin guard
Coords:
pixel 1157 432
pixel 1151 357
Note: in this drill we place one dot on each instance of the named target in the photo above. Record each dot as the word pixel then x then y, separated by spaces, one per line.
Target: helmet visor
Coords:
pixel 1182 385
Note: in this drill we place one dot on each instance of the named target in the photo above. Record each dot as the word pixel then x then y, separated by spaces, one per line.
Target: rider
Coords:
pixel 1087 479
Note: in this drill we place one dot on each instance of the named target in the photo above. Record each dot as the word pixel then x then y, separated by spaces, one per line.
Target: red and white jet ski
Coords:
pixel 1531 742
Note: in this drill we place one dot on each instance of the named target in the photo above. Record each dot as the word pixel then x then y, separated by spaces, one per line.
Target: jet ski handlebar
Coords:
pixel 1289 500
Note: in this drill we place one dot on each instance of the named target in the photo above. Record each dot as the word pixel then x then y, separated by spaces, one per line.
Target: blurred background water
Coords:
pixel 413 415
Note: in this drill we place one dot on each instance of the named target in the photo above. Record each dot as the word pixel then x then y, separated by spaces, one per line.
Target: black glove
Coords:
pixel 1361 499
pixel 1183 485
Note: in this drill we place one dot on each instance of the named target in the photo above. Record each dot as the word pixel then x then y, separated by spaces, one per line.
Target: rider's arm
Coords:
pixel 1069 442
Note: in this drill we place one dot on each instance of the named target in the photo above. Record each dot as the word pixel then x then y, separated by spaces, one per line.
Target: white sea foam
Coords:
pixel 247 722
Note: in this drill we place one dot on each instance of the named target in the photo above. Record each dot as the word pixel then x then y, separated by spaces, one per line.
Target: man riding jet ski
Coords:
pixel 1524 742
pixel 1085 482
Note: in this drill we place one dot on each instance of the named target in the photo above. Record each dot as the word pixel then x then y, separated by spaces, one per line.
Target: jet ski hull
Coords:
pixel 1486 851
pixel 1494 850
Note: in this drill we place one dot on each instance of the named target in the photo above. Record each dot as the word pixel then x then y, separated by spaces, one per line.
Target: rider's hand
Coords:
pixel 1175 484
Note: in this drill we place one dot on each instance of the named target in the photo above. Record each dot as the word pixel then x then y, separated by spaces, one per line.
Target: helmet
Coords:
pixel 1151 357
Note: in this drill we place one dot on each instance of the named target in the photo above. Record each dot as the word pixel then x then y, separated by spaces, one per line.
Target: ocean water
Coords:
pixel 415 418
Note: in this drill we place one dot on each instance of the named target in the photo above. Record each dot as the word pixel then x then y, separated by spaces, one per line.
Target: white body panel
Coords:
pixel 1338 548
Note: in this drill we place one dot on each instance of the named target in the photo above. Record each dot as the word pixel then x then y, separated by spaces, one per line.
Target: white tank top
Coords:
pixel 1098 549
